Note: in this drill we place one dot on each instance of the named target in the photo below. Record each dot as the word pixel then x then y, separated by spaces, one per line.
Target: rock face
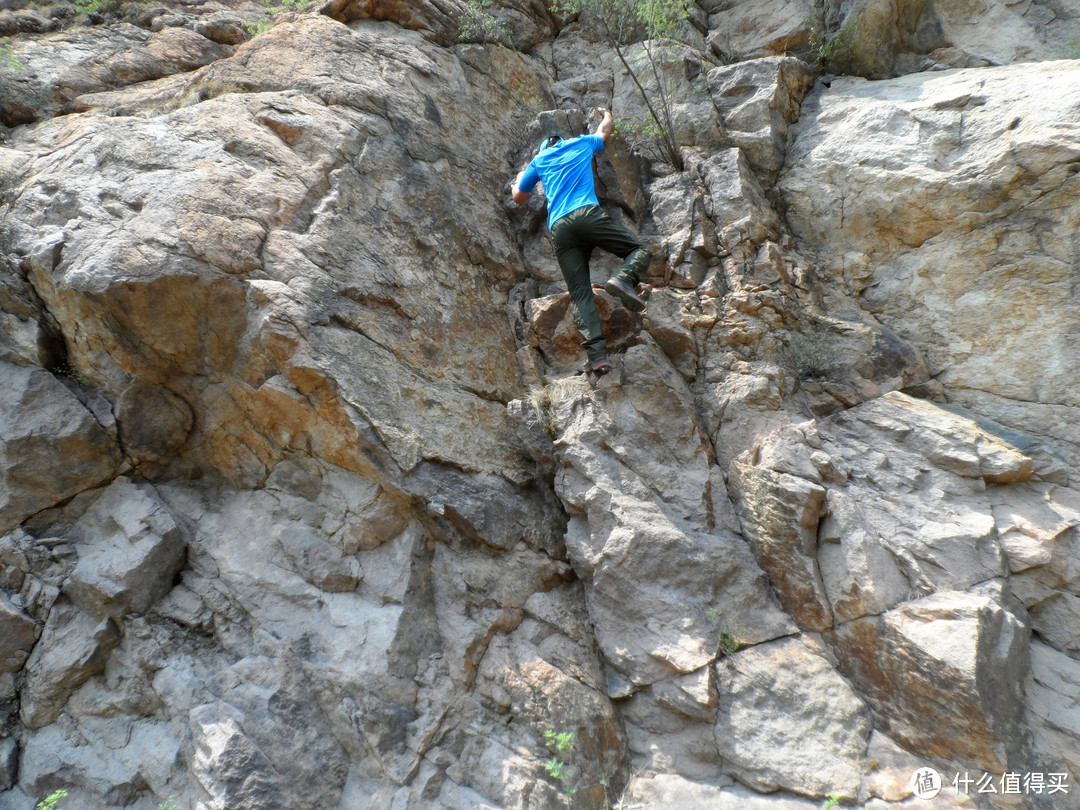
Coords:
pixel 302 505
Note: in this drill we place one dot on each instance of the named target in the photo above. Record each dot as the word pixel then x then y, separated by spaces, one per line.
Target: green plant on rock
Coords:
pixel 561 743
pixel 728 644
pixel 830 802
pixel 51 802
pixel 168 804
pixel 273 8
pixel 7 58
pixel 90 6
pixel 477 23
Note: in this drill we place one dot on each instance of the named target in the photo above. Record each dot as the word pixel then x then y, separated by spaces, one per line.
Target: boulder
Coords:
pixel 73 647
pixel 42 420
pixel 745 29
pixel 130 550
pixel 965 650
pixel 935 233
pixel 787 719
pixel 757 101
pixel 780 515
pixel 650 532
pixel 17 639
pixel 57 68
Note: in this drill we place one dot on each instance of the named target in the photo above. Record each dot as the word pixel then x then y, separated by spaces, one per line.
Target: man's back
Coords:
pixel 566 172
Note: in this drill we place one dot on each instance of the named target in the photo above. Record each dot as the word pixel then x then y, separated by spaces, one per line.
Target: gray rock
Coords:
pixel 668 790
pixel 869 552
pixel 72 649
pixel 9 763
pixel 130 550
pixel 18 632
pixel 787 719
pixel 40 421
pixel 903 209
pixel 643 533
pixel 757 101
pixel 320 562
pixel 1054 679
pixel 744 29
pixel 230 767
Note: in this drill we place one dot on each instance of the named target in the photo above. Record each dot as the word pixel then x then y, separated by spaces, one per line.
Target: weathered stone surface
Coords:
pixel 668 790
pixel 963 650
pixel 670 729
pixel 647 529
pixel 41 421
pixel 934 231
pixel 130 549
pixel 9 763
pixel 780 515
pixel 757 101
pixel 73 647
pixel 872 552
pixel 307 329
pixel 787 719
pixel 19 632
pixel 57 68
pixel 282 282
pixel 1050 700
pixel 745 29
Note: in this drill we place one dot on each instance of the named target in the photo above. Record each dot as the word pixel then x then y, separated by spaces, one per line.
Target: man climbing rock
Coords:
pixel 577 225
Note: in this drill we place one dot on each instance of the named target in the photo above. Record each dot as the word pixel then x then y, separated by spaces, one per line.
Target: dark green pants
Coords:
pixel 575 235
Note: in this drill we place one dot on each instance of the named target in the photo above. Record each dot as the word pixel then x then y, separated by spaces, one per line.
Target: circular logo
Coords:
pixel 926 783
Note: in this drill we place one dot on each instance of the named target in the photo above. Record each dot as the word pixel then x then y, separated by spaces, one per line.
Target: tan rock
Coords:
pixel 41 421
pixel 747 30
pixel 963 650
pixel 780 514
pixel 933 232
pixel 787 719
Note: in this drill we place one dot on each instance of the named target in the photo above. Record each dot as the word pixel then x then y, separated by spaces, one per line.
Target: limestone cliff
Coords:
pixel 302 506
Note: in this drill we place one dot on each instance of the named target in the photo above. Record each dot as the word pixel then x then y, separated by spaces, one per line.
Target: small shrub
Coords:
pixel 265 23
pixel 90 6
pixel 561 741
pixel 831 802
pixel 544 400
pixel 562 744
pixel 814 353
pixel 476 23
pixel 728 644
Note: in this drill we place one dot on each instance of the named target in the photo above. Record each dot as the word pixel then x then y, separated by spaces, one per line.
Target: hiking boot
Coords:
pixel 625 293
pixel 598 367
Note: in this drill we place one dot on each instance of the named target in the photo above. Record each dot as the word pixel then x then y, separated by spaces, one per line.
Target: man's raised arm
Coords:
pixel 606 125
pixel 515 190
